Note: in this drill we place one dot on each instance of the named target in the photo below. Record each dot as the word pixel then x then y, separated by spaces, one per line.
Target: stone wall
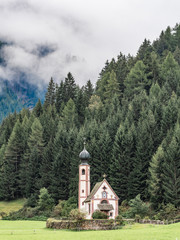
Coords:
pixel 83 224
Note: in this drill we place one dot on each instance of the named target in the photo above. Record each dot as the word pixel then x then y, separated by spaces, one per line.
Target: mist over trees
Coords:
pixel 131 122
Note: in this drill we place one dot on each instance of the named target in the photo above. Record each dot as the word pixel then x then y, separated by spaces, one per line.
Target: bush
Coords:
pixel 45 202
pixel 138 207
pixel 99 215
pixel 64 208
pixel 119 220
pixel 31 201
pixel 76 214
pixel 28 213
pixel 137 217
pixel 167 212
pixel 124 208
pixel 2 214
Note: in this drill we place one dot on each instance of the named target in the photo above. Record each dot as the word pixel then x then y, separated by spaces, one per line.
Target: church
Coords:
pixel 102 197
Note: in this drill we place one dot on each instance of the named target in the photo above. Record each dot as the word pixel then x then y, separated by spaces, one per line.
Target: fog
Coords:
pixel 53 37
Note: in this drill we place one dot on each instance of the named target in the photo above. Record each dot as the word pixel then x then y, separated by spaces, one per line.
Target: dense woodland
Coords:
pixel 131 122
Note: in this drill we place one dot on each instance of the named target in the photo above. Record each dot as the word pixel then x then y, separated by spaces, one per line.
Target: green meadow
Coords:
pixel 36 230
pixel 11 206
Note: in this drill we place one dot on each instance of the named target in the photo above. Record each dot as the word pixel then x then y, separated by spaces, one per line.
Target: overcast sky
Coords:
pixel 79 34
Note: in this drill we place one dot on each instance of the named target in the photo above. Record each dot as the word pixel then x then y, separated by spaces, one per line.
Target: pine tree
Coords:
pixel 69 88
pixel 170 74
pixel 171 170
pixel 137 80
pixel 50 97
pixel 156 180
pixel 122 160
pixel 60 97
pixel 169 114
pixel 88 92
pixel 61 165
pixel 112 87
pixel 34 157
pixel 45 170
pixel 121 71
pixel 69 115
pixel 80 107
pixel 13 157
pixel 38 110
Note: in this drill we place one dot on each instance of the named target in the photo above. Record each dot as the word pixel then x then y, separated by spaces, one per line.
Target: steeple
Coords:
pixel 84 176
pixel 84 155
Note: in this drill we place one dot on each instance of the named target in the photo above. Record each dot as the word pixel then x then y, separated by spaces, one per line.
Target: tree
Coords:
pixel 45 202
pixel 69 88
pixel 33 157
pixel 101 85
pixel 171 170
pixel 13 158
pixel 137 80
pixel 60 97
pixel 170 74
pixel 121 71
pixel 156 180
pixel 138 207
pixel 112 87
pixel 88 92
pixel 38 110
pixel 62 154
pixel 50 97
pixel 69 115
pixel 122 160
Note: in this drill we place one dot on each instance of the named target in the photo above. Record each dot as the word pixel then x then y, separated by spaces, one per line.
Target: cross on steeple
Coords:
pixel 104 175
pixel 84 142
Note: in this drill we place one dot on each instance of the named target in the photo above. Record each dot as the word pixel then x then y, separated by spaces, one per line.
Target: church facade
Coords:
pixel 102 197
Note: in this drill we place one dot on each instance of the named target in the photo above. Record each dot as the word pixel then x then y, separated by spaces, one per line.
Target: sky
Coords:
pixel 76 36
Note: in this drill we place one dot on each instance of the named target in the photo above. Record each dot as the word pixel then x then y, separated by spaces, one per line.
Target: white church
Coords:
pixel 102 197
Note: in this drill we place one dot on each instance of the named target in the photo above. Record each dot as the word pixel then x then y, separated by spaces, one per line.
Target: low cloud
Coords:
pixel 51 38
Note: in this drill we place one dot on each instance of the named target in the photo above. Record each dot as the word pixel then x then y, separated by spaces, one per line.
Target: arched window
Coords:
pixel 104 202
pixel 104 194
pixel 83 171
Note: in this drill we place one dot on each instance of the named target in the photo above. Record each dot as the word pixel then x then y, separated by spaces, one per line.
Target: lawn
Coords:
pixel 35 230
pixel 11 206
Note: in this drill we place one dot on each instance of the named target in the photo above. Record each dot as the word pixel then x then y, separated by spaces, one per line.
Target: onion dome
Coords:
pixel 84 155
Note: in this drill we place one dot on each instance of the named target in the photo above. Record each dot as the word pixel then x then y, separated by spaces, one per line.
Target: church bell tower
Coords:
pixel 84 177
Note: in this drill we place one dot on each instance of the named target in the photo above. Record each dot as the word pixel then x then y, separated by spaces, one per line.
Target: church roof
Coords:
pixel 96 187
pixel 105 207
pixel 94 190
pixel 84 154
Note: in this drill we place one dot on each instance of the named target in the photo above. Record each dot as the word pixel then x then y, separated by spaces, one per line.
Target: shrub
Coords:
pixel 137 217
pixel 99 215
pixel 45 202
pixel 31 201
pixel 138 207
pixel 63 208
pixel 119 220
pixel 76 214
pixel 2 214
pixel 124 208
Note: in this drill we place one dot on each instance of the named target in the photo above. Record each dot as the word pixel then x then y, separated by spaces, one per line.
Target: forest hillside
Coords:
pixel 131 122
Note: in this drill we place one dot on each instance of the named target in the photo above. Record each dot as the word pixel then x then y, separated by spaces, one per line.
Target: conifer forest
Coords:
pixel 131 122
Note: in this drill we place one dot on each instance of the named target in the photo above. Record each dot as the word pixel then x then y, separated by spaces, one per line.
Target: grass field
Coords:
pixel 11 206
pixel 35 230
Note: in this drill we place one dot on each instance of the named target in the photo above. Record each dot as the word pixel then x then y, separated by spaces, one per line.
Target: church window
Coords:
pixel 104 202
pixel 104 194
pixel 82 191
pixel 104 188
pixel 111 214
pixel 82 203
pixel 83 171
pixel 89 208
